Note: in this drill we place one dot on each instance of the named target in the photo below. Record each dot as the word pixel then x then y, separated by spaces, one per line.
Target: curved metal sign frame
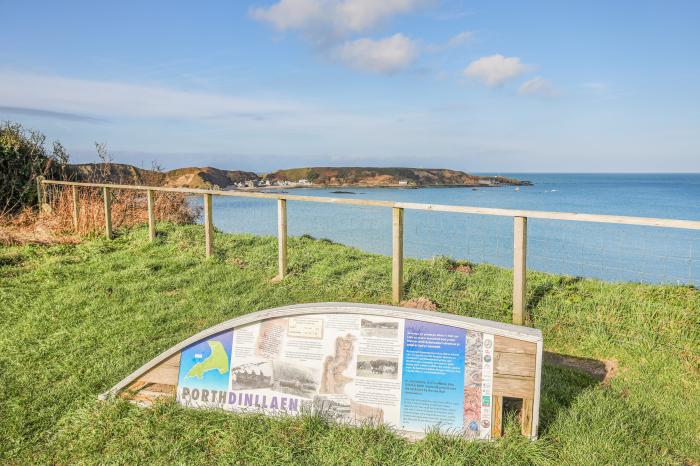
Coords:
pixel 497 329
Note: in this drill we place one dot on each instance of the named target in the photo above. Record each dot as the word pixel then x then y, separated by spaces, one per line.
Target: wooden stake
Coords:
pixel 76 210
pixel 151 216
pixel 208 226
pixel 497 416
pixel 519 269
pixel 107 195
pixel 526 417
pixel 282 236
pixel 397 255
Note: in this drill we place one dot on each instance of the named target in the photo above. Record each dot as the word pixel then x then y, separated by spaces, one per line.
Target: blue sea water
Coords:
pixel 605 251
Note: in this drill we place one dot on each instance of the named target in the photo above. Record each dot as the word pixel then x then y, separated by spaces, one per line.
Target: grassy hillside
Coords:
pixel 189 177
pixel 78 318
pixel 114 173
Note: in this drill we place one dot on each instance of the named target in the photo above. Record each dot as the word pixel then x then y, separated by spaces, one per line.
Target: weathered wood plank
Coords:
pixel 148 396
pixel 164 374
pixel 519 364
pixel 497 417
pixel 513 386
pixel 526 417
pixel 511 345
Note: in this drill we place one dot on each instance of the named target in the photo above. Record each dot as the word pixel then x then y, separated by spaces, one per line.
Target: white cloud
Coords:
pixel 495 70
pixel 320 18
pixel 538 86
pixel 117 99
pixel 291 14
pixel 460 39
pixel 379 56
pixel 363 14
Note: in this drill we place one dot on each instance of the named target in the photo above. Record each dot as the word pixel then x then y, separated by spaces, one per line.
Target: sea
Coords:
pixel 605 251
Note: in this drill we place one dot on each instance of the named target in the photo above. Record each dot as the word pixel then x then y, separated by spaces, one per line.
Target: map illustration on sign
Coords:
pixel 205 365
pixel 217 360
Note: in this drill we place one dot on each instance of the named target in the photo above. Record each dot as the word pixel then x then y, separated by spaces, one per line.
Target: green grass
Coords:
pixel 78 318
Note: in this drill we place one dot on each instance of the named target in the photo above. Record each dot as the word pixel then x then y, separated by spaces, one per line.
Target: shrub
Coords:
pixel 24 157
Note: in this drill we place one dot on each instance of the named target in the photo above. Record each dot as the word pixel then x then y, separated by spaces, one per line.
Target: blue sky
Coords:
pixel 482 86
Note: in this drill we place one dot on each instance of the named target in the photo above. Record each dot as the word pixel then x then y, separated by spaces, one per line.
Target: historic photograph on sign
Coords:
pixel 379 328
pixel 335 408
pixel 378 368
pixel 251 375
pixel 294 379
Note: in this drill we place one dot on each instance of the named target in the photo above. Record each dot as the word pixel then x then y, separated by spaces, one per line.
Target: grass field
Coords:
pixel 78 318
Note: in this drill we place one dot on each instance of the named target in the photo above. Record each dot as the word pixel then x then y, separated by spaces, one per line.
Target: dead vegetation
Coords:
pixel 55 223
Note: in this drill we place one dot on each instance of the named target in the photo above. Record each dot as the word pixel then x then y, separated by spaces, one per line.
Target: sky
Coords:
pixel 480 86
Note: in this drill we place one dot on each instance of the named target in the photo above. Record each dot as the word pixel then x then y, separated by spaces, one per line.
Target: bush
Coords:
pixel 23 158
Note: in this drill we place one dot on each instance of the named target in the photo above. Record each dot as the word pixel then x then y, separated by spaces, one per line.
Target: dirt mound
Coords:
pixel 466 269
pixel 601 371
pixel 420 303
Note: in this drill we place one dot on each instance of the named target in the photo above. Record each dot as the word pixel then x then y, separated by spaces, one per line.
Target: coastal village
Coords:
pixel 265 182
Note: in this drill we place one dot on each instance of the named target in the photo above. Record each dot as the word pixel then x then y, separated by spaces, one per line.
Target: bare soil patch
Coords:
pixel 420 303
pixel 602 371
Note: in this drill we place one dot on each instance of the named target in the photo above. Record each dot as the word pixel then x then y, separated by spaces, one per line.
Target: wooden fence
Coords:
pixel 397 211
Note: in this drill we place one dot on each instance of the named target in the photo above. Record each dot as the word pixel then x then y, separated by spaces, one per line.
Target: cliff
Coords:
pixel 190 177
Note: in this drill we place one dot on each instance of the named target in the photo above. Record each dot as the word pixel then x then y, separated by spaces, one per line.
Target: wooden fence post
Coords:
pixel 40 192
pixel 282 236
pixel 397 255
pixel 519 269
pixel 151 215
pixel 208 226
pixel 107 195
pixel 76 208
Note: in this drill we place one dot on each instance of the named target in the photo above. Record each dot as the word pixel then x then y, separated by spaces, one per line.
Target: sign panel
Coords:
pixel 405 369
